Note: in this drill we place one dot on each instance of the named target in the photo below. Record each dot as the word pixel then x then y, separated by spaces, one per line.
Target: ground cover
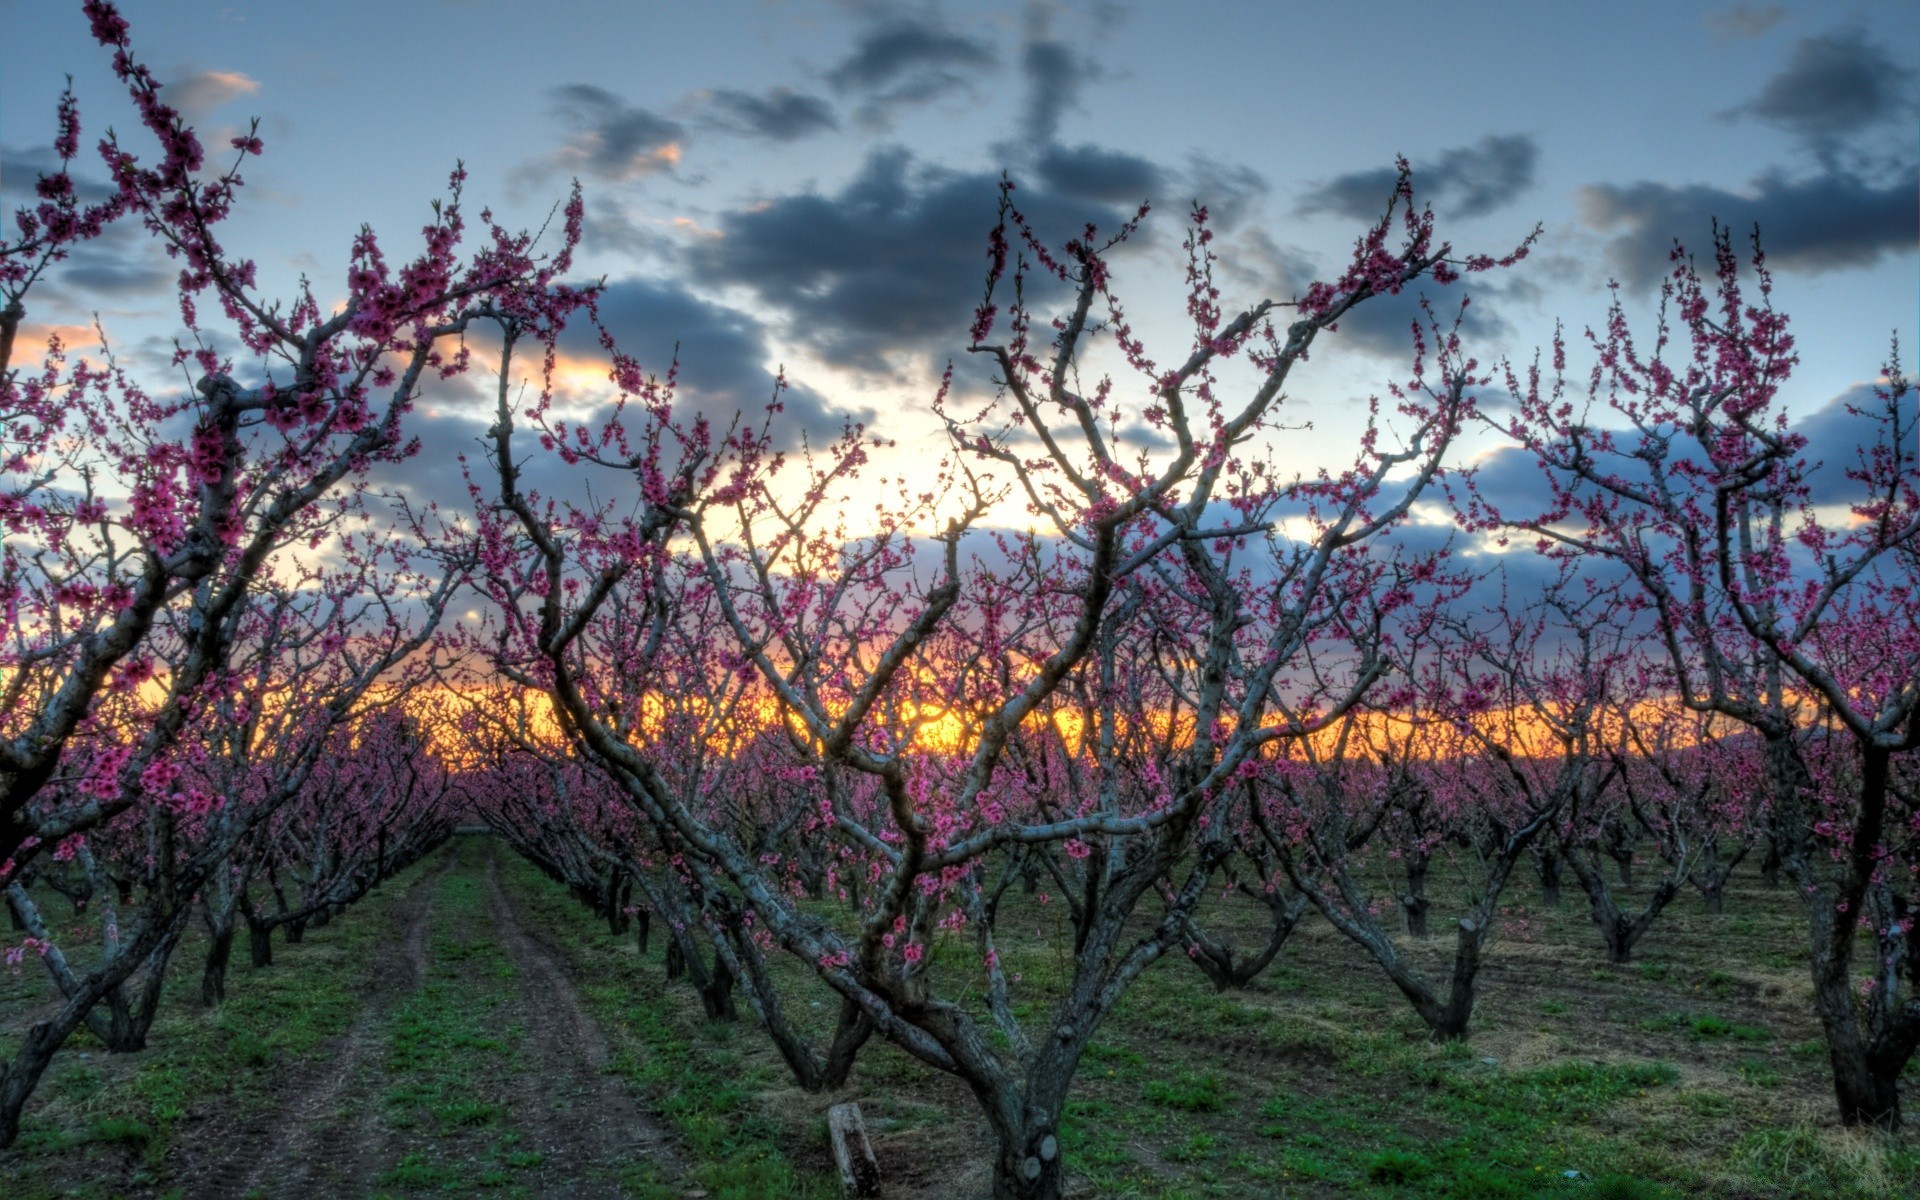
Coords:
pixel 471 1030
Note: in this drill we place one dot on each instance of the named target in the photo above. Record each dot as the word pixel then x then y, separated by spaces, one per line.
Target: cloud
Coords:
pixel 1054 76
pixel 1253 259
pixel 611 140
pixel 1745 20
pixel 1230 192
pixel 1466 181
pixel 725 368
pixel 905 61
pixel 890 265
pixel 200 92
pixel 1827 222
pixel 1383 325
pixel 20 170
pixel 724 359
pixel 1841 431
pixel 1089 172
pixel 1836 85
pixel 107 274
pixel 780 115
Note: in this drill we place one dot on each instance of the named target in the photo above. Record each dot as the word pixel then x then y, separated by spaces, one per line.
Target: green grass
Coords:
pixel 1315 1081
pixel 687 1069
pixel 1188 1092
pixel 102 1122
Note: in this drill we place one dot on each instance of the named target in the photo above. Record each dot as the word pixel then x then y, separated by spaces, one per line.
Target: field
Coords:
pixel 470 1030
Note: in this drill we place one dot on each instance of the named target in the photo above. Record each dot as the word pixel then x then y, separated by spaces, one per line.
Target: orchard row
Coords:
pixel 702 691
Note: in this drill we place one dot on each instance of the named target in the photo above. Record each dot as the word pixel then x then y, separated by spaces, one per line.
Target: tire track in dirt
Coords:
pixel 582 1120
pixel 321 1141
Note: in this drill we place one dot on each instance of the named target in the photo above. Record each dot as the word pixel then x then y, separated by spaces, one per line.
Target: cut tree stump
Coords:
pixel 853 1153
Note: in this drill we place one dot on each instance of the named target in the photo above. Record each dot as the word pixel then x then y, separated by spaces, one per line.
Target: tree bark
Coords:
pixel 213 977
pixel 1546 861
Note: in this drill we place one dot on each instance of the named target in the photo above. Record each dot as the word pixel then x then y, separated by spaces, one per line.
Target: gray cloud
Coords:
pixel 1466 181
pixel 1824 223
pixel 1230 192
pixel 907 60
pixel 891 264
pixel 725 369
pixel 1087 172
pixel 609 139
pixel 779 115
pixel 1383 326
pixel 109 275
pixel 724 359
pixel 20 170
pixel 1054 77
pixel 1836 85
pixel 1253 259
pixel 1745 20
pixel 1840 432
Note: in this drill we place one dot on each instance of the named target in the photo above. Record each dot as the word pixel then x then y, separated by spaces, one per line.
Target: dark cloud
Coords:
pixel 1837 434
pixel 1229 191
pixel 1383 325
pixel 1088 172
pixel 1841 431
pixel 780 115
pixel 725 368
pixel 1054 76
pixel 906 60
pixel 725 363
pixel 1745 20
pixel 20 170
pixel 1824 223
pixel 1466 181
pixel 109 275
pixel 610 139
pixel 892 264
pixel 1256 261
pixel 1836 85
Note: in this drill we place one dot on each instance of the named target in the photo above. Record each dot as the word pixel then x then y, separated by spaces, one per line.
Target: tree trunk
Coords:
pixel 259 943
pixel 1770 863
pixel 1413 902
pixel 1226 968
pixel 643 930
pixel 716 995
pixel 1449 1022
pixel 213 978
pixel 1547 862
pixel 1028 1164
pixel 20 1075
pixel 1714 893
pixel 852 1033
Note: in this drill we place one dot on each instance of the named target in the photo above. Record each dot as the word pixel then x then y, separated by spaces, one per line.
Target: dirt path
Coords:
pixel 320 1141
pixel 581 1120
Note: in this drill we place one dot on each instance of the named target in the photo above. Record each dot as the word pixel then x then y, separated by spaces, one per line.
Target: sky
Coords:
pixel 809 184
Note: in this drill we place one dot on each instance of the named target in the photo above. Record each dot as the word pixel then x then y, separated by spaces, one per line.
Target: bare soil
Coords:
pixel 579 1118
pixel 325 1134
pixel 319 1137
